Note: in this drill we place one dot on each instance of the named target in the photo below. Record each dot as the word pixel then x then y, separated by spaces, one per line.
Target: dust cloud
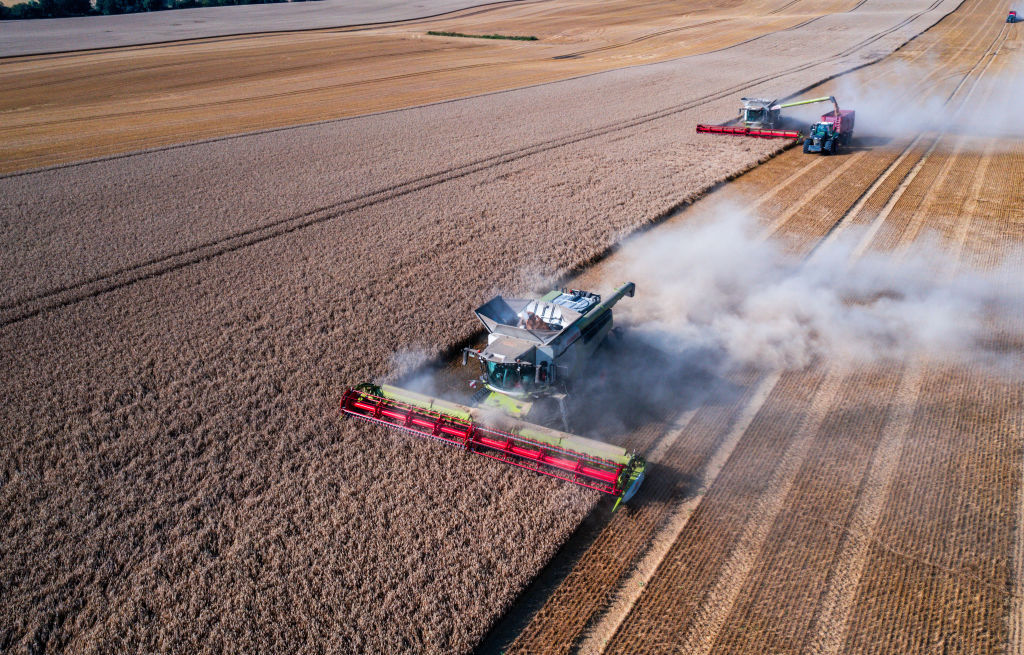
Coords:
pixel 715 287
pixel 892 109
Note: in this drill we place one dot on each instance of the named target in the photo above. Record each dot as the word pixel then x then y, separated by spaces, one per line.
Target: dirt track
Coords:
pixel 849 516
pixel 178 350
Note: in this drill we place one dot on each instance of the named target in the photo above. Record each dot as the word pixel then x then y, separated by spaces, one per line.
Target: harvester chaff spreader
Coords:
pixel 535 348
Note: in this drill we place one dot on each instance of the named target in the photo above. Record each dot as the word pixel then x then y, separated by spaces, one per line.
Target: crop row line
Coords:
pixel 597 630
pixel 895 166
pixel 662 539
pixel 711 614
pixel 582 596
pixel 860 201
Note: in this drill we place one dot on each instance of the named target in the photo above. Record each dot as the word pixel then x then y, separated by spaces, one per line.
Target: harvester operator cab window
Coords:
pixel 754 116
pixel 507 377
pixel 516 377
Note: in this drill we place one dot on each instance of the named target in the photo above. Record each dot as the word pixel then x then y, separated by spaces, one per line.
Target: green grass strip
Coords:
pixel 484 36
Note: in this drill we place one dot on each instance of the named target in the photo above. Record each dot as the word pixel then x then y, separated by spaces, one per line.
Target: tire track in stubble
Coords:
pixel 695 560
pixel 897 203
pixel 588 587
pixel 843 585
pixel 713 611
pixel 841 591
pixel 630 589
pixel 855 208
pixel 843 581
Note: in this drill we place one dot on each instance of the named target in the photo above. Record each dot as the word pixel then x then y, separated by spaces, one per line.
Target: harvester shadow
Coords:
pixel 639 379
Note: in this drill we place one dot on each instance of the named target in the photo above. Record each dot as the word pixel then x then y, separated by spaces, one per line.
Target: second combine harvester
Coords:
pixel 762 118
pixel 535 348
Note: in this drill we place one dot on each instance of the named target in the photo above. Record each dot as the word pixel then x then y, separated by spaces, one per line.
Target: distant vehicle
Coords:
pixel 1011 17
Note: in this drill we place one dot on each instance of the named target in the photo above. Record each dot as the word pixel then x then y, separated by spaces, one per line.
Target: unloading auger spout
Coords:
pixel 627 289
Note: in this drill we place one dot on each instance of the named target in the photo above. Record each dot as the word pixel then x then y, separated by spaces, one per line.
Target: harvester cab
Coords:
pixel 759 118
pixel 759 113
pixel 535 348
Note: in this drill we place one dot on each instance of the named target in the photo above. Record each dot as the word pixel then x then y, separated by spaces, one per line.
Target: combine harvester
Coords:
pixel 535 348
pixel 761 118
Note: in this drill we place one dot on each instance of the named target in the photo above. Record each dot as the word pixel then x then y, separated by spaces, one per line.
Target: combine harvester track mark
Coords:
pixel 715 607
pixel 1016 615
pixel 587 590
pixel 696 560
pixel 632 586
pixel 841 590
pixel 814 191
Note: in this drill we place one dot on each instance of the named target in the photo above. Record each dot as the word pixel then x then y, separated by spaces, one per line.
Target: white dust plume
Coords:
pixel 716 287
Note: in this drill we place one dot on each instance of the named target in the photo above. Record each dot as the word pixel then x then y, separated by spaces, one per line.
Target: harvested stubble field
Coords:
pixel 177 338
pixel 872 509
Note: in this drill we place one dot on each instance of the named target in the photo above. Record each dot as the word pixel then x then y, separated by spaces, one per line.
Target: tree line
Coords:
pixel 65 8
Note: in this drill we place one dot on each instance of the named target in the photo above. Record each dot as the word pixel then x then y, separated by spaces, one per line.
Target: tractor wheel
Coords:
pixel 807 146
